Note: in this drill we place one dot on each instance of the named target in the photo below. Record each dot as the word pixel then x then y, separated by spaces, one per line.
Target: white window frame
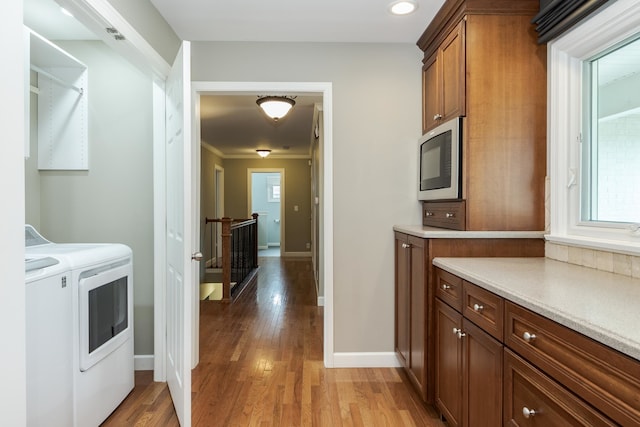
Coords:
pixel 566 56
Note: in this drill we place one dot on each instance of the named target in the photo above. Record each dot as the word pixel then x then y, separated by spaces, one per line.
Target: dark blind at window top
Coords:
pixel 557 16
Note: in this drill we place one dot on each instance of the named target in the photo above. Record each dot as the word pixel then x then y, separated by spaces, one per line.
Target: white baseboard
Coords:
pixel 296 254
pixel 320 301
pixel 366 360
pixel 143 362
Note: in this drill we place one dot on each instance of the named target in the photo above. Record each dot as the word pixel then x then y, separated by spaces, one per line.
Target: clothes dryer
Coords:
pixel 101 281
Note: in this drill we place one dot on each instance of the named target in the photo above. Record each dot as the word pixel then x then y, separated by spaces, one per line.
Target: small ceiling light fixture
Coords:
pixel 66 12
pixel 276 107
pixel 403 7
pixel 263 152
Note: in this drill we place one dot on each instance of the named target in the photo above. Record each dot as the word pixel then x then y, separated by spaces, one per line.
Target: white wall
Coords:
pixel 12 295
pixel 376 124
pixel 150 24
pixel 112 202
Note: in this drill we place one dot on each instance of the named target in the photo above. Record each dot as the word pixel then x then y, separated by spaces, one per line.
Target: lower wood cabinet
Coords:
pixel 417 285
pixel 498 363
pixel 533 399
pixel 411 308
pixel 468 371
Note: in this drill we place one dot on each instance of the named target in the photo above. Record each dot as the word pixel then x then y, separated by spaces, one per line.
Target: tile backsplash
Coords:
pixel 627 265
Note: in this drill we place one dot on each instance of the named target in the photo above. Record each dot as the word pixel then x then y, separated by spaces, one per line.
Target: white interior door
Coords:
pixel 178 208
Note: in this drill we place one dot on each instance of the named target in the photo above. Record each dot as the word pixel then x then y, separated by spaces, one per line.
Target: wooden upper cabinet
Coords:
pixel 430 93
pixel 452 56
pixel 482 62
pixel 443 81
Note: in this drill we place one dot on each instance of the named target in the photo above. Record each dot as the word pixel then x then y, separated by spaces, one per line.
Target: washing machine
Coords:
pixel 49 346
pixel 101 283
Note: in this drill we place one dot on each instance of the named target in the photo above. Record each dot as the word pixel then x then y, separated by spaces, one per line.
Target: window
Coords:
pixel 273 189
pixel 594 131
pixel 611 136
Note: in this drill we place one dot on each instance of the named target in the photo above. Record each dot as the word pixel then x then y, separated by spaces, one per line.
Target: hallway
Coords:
pixel 261 364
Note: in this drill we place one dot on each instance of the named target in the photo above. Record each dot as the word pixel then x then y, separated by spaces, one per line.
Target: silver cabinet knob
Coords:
pixel 437 117
pixel 446 287
pixel 478 308
pixel 450 215
pixel 528 413
pixel 197 256
pixel 458 332
pixel 406 245
pixel 427 213
pixel 528 337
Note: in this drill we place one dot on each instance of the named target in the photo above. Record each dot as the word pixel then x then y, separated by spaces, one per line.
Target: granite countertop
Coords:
pixel 443 233
pixel 598 304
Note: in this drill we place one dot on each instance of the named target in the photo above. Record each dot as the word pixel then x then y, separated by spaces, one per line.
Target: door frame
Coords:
pixel 283 189
pixel 326 179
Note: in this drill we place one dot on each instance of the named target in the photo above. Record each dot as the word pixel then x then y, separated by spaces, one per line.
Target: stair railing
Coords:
pixel 239 251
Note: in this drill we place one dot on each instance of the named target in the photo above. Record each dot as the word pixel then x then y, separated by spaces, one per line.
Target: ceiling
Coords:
pixel 295 20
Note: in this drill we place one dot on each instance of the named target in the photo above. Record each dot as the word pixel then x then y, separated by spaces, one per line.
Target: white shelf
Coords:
pixel 62 105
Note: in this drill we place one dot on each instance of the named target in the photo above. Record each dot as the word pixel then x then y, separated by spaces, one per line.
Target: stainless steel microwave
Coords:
pixel 440 168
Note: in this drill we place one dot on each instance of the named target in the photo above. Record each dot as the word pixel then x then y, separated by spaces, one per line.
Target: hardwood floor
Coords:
pixel 261 365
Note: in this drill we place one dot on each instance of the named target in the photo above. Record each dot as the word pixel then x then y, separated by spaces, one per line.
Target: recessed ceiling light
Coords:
pixel 403 7
pixel 66 12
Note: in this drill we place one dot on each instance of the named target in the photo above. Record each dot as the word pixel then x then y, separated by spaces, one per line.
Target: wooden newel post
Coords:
pixel 226 259
pixel 255 240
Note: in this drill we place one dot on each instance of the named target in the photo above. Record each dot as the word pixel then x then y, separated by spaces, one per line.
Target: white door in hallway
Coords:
pixel 178 233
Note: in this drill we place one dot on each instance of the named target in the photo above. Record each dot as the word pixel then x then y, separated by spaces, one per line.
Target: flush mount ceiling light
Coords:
pixel 403 7
pixel 66 12
pixel 263 153
pixel 276 107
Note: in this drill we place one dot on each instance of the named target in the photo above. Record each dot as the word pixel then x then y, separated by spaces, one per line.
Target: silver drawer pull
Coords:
pixel 427 213
pixel 437 116
pixel 528 337
pixel 478 308
pixel 406 245
pixel 450 215
pixel 528 413
pixel 446 287
pixel 459 333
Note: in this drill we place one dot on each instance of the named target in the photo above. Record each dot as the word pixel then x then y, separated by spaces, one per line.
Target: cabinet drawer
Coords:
pixel 444 214
pixel 526 389
pixel 483 308
pixel 605 378
pixel 449 289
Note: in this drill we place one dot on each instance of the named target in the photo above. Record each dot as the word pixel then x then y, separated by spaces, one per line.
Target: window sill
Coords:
pixel 630 247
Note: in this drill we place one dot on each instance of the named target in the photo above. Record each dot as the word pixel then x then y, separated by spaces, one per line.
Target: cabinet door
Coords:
pixel 482 384
pixel 417 364
pixel 430 94
pixel 452 73
pixel 402 291
pixel 443 81
pixel 448 362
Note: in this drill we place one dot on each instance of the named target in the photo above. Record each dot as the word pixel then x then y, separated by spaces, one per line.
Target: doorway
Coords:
pixel 325 184
pixel 266 194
